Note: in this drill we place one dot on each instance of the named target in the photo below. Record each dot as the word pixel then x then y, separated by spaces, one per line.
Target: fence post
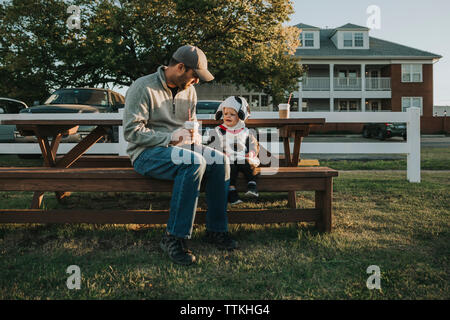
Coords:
pixel 413 140
pixel 122 142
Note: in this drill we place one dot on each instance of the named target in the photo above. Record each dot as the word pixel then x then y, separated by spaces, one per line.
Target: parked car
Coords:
pixel 82 100
pixel 8 106
pixel 384 131
pixel 207 106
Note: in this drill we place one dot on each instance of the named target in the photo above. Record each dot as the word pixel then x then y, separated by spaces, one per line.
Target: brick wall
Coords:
pixel 412 89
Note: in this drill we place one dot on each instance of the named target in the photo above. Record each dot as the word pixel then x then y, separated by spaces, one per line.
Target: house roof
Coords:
pixel 352 26
pixel 349 27
pixel 306 26
pixel 378 48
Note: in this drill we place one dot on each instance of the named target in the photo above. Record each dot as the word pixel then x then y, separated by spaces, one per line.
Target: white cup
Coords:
pixel 283 110
pixel 191 125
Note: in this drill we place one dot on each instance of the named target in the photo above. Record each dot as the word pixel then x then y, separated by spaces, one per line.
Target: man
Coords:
pixel 156 108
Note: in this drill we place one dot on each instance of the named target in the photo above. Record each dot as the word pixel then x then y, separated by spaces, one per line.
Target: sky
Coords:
pixel 419 24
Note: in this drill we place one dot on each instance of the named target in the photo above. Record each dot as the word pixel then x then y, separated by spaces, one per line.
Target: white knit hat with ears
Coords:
pixel 233 102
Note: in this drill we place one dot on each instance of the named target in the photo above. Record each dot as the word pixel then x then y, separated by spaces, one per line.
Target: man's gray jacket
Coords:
pixel 152 114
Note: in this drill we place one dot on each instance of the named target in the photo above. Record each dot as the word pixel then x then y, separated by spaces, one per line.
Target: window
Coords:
pixel 264 100
pixel 348 39
pixel 411 73
pixel 408 102
pixel 359 39
pixel 309 39
pixel 254 102
pixel 347 105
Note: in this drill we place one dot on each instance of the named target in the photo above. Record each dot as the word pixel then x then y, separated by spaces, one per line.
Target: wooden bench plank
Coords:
pixel 129 173
pixel 138 184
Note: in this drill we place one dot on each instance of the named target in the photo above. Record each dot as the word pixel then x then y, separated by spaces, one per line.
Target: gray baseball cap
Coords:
pixel 195 59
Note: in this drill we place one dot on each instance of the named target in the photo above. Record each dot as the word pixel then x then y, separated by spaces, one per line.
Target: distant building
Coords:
pixel 440 111
pixel 349 71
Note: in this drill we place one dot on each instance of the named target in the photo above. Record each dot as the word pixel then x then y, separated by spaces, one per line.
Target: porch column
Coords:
pixel 363 87
pixel 300 96
pixel 331 87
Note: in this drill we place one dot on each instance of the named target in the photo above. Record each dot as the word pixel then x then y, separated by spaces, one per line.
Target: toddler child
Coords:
pixel 238 143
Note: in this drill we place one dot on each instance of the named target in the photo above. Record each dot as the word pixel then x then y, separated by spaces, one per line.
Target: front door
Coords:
pixel 375 106
pixel 375 79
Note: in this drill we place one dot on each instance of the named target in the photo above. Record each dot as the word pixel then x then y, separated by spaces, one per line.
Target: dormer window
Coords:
pixel 353 39
pixel 350 36
pixel 309 36
pixel 348 39
pixel 359 39
pixel 307 39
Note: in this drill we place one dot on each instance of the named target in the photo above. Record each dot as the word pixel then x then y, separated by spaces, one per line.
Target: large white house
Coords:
pixel 347 70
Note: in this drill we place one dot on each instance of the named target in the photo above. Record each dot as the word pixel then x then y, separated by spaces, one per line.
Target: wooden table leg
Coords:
pixel 298 138
pixel 49 154
pixel 48 162
pixel 287 151
pixel 77 151
pixel 323 201
pixel 297 142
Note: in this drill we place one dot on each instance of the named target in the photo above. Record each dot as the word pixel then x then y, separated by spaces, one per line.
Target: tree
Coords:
pixel 121 40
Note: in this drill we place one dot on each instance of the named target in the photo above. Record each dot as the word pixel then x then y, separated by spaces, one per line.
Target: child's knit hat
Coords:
pixel 237 103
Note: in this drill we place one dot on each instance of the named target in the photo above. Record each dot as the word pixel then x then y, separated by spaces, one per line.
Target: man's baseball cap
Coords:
pixel 195 59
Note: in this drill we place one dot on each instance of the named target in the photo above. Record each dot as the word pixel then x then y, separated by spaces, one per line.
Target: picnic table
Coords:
pixel 50 131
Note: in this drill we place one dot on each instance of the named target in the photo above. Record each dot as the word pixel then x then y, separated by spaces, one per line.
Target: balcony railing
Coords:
pixel 378 84
pixel 345 84
pixel 316 84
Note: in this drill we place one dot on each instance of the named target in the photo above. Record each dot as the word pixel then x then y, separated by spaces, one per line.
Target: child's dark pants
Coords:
pixel 245 168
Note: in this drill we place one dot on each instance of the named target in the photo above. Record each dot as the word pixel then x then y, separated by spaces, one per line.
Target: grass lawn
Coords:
pixel 430 159
pixel 379 219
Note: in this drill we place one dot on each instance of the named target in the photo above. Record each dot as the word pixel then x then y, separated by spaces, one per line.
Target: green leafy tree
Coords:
pixel 121 40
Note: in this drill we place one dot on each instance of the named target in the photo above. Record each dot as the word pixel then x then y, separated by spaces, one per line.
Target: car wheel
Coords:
pixel 366 133
pixel 381 135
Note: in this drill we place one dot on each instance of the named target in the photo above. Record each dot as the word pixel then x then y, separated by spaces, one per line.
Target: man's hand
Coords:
pixel 181 136
pixel 197 138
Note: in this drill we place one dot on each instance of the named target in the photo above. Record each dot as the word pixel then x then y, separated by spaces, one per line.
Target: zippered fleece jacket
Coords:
pixel 152 114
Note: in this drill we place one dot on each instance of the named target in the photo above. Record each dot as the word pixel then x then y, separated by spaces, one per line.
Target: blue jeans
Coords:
pixel 186 166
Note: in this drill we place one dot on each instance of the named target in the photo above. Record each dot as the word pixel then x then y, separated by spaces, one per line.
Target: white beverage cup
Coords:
pixel 192 126
pixel 283 110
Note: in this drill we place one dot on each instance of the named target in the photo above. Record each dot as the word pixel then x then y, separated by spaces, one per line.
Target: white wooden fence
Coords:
pixel 411 147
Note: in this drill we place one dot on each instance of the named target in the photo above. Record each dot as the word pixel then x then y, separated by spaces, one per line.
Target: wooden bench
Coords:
pixel 125 179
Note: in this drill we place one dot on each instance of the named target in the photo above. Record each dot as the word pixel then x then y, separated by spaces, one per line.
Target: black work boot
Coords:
pixel 176 249
pixel 233 197
pixel 222 240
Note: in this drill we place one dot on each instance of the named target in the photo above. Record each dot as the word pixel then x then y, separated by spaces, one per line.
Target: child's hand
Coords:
pixel 251 154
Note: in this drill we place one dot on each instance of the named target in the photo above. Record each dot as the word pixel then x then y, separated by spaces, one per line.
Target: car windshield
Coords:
pixel 7 106
pixel 79 96
pixel 207 107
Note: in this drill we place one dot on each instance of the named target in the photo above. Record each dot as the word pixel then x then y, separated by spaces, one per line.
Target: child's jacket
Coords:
pixel 238 143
